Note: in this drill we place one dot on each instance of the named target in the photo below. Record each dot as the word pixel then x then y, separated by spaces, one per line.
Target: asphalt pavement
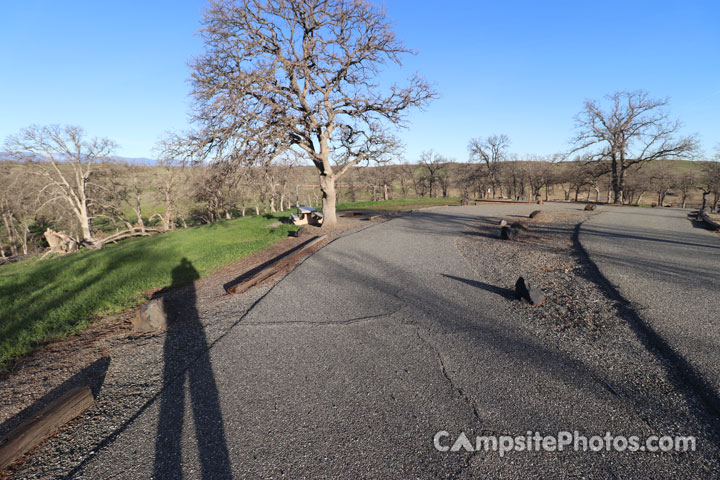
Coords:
pixel 349 366
pixel 668 268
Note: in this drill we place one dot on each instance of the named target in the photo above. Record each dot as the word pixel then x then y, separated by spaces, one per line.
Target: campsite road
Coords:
pixel 668 268
pixel 350 365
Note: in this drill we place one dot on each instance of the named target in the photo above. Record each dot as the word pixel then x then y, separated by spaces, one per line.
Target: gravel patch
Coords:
pixel 582 320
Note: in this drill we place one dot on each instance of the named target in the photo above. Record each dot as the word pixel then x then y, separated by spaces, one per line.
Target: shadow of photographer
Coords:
pixel 187 361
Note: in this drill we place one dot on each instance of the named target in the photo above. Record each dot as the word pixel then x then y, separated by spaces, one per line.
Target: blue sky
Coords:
pixel 523 68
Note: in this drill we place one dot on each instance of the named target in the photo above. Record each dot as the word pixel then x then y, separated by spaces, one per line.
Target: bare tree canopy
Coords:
pixel 66 159
pixel 433 166
pixel 491 151
pixel 632 129
pixel 282 73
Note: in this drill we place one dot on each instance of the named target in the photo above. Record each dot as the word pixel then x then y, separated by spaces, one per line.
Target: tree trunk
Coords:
pixel 11 239
pixel 329 198
pixel 617 183
pixel 140 222
pixel 85 226
pixel 26 232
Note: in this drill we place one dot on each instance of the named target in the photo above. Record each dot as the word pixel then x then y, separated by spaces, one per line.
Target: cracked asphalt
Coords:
pixel 350 365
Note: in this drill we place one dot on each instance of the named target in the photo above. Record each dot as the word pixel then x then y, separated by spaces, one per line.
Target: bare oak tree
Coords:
pixel 18 208
pixel 65 159
pixel 302 73
pixel 174 157
pixel 710 182
pixel 631 130
pixel 686 183
pixel 491 151
pixel 432 166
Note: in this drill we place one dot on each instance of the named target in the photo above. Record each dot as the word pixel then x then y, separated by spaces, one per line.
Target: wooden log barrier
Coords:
pixel 34 431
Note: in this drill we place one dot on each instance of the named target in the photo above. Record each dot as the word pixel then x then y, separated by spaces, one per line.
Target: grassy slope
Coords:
pixel 399 204
pixel 43 300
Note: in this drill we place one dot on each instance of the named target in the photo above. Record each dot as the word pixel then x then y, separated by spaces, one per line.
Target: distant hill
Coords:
pixel 146 162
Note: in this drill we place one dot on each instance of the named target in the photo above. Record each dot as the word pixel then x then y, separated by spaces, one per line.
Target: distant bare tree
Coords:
pixel 662 180
pixel 491 151
pixel 19 205
pixel 119 187
pixel 538 173
pixel 410 172
pixel 547 169
pixel 574 177
pixel 175 154
pixel 710 182
pixel 215 188
pixel 66 161
pixel 302 73
pixel 432 165
pixel 402 177
pixel 515 177
pixel 685 182
pixel 637 184
pixel 445 178
pixel 464 179
pixel 633 129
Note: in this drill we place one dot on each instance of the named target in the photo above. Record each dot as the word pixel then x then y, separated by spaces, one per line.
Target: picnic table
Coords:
pixel 307 215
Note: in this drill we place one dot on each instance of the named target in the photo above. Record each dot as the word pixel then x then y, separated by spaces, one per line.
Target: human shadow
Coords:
pixel 186 344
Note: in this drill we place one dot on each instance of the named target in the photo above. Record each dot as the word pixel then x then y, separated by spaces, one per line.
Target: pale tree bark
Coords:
pixel 66 160
pixel 19 206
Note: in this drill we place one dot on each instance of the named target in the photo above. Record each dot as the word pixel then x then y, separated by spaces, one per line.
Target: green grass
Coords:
pixel 42 300
pixel 399 204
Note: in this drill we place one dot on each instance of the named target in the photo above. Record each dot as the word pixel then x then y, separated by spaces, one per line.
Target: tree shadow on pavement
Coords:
pixel 699 394
pixel 186 340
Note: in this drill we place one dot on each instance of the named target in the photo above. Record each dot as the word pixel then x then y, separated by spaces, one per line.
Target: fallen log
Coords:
pixel 135 232
pixel 16 258
pixel 34 431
